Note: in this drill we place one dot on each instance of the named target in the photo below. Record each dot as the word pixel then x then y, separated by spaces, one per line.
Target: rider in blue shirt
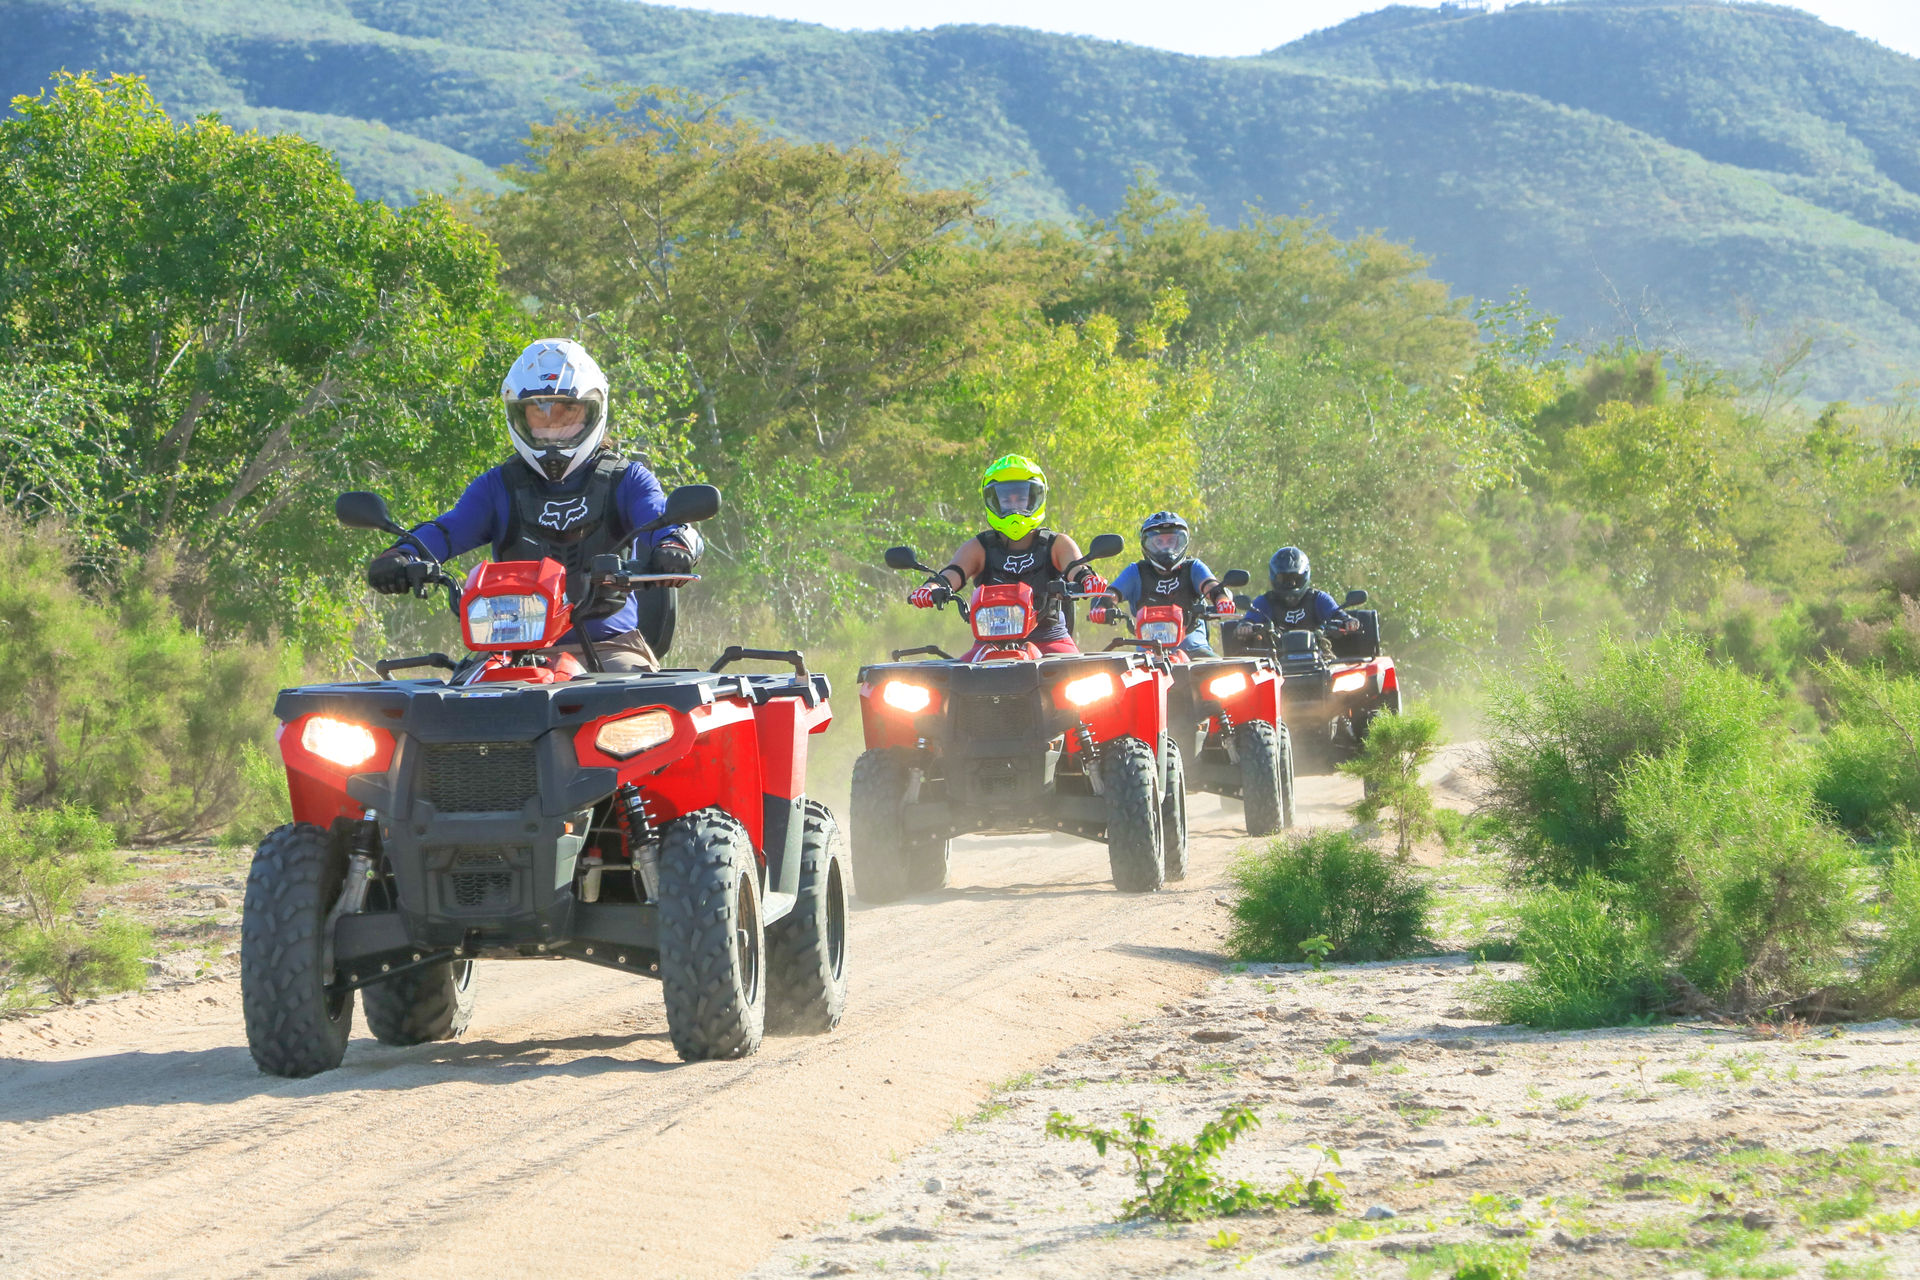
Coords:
pixel 1292 604
pixel 564 496
pixel 1167 575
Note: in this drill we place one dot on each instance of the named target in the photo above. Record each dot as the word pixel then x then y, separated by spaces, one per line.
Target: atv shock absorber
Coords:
pixel 1083 739
pixel 643 840
pixel 353 890
pixel 1226 736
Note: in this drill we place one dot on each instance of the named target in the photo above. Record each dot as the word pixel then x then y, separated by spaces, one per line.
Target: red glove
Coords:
pixel 922 597
pixel 1099 611
pixel 1093 583
pixel 1224 607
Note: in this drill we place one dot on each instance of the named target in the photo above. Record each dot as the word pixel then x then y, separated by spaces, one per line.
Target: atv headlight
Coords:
pixel 1163 633
pixel 1224 687
pixel 998 620
pixel 1088 689
pixel 630 735
pixel 903 696
pixel 506 620
pixel 340 742
pixel 1350 681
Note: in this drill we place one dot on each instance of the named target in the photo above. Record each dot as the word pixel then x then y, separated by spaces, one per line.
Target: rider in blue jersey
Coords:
pixel 1168 575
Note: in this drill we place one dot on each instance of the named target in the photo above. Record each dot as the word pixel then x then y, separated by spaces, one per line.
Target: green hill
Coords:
pixel 1720 176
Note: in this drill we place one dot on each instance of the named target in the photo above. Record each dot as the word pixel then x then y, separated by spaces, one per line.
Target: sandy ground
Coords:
pixel 137 1139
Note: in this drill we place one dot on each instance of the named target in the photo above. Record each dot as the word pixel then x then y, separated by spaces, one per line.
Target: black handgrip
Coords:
pixel 932 649
pixel 792 657
pixel 388 665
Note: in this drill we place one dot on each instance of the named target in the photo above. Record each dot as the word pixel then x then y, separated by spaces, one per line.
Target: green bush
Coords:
pixel 1869 776
pixel 1589 962
pixel 116 705
pixel 1332 885
pixel 48 857
pixel 1396 749
pixel 1890 981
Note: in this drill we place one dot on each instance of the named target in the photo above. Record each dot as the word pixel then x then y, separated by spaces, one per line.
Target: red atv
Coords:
pixel 1012 741
pixel 1337 682
pixel 654 823
pixel 1225 716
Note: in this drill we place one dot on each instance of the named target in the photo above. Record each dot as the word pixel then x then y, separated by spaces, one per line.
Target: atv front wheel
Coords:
pixel 1263 777
pixel 807 949
pixel 1286 775
pixel 887 863
pixel 1173 809
pixel 433 1002
pixel 295 1025
pixel 712 946
pixel 1130 777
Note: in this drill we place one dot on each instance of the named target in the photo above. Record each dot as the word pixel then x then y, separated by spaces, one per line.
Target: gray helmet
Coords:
pixel 1163 540
pixel 1290 575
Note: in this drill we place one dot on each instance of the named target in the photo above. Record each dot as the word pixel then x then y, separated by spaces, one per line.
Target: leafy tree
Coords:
pixel 1397 748
pixel 252 339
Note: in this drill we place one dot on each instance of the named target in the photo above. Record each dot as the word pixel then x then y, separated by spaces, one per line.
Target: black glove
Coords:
pixel 671 557
pixel 396 571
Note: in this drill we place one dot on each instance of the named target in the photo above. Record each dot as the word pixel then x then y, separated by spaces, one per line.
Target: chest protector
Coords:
pixel 1292 617
pixel 1033 565
pixel 1170 586
pixel 571 528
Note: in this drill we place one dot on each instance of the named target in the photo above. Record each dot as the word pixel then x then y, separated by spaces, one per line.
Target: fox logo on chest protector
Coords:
pixel 1018 564
pixel 563 513
pixel 1166 586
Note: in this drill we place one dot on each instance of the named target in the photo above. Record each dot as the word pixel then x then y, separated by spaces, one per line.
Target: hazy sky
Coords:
pixel 1223 27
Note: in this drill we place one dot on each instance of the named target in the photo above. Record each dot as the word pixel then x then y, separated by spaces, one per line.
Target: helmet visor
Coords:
pixel 1291 583
pixel 1164 546
pixel 553 422
pixel 1015 497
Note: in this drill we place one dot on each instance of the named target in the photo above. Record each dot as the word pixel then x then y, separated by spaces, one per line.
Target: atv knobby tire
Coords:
pixel 295 1026
pixel 887 865
pixel 712 945
pixel 1265 777
pixel 807 949
pixel 434 1002
pixel 1130 778
pixel 1173 810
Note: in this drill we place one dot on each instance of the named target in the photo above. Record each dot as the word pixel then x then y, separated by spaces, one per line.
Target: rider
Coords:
pixel 564 496
pixel 1168 575
pixel 1293 604
pixel 1017 549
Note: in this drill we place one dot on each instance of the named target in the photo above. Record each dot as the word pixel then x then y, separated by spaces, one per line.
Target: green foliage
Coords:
pixel 1890 982
pixel 1176 1180
pixel 1331 885
pixel 1869 760
pixel 116 706
pixel 1589 963
pixel 1472 1261
pixel 1397 748
pixel 48 857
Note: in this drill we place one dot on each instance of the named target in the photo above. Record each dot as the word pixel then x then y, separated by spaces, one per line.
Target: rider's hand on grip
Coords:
pixel 1224 607
pixel 419 574
pixel 927 595
pixel 1093 583
pixel 391 573
pixel 1100 612
pixel 672 557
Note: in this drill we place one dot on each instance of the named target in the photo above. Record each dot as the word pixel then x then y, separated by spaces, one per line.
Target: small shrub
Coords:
pixel 1589 963
pixel 1176 1180
pixel 47 859
pixel 1331 885
pixel 1890 983
pixel 1869 760
pixel 1396 749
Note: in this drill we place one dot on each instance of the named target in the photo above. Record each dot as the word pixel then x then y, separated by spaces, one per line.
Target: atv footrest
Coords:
pixel 1215 777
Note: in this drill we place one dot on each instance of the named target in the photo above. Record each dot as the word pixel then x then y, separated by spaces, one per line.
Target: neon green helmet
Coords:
pixel 1015 491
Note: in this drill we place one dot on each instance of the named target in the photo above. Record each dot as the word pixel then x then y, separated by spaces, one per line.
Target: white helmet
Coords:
pixel 556 406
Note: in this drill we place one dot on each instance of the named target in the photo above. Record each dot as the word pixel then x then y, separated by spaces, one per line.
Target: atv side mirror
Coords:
pixel 902 558
pixel 1235 578
pixel 688 504
pixel 359 510
pixel 1355 598
pixel 1104 547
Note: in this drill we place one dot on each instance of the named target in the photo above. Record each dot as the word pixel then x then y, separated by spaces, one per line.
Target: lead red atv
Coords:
pixel 519 808
pixel 1225 717
pixel 1012 741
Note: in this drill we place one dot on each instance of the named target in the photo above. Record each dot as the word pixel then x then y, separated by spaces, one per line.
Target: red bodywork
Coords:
pixel 1242 696
pixel 726 755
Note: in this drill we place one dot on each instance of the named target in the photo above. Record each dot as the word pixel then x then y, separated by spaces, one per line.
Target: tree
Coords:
pixel 1397 748
pixel 254 339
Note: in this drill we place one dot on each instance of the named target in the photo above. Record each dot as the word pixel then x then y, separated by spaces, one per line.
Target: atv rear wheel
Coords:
pixel 295 1026
pixel 887 864
pixel 807 949
pixel 712 945
pixel 1264 777
pixel 1130 777
pixel 1173 810
pixel 433 1002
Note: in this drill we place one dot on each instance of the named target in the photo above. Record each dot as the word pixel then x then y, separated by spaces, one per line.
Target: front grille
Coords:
pixel 478 777
pixel 989 715
pixel 482 890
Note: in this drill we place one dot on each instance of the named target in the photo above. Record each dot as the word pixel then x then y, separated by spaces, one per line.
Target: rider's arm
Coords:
pixel 1205 585
pixel 966 564
pixel 474 520
pixel 1126 585
pixel 641 500
pixel 1065 552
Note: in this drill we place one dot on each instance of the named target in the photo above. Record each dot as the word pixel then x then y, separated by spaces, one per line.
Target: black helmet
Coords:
pixel 1163 539
pixel 1290 574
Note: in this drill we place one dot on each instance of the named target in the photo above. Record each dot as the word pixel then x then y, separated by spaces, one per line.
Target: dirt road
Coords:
pixel 136 1138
